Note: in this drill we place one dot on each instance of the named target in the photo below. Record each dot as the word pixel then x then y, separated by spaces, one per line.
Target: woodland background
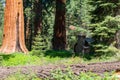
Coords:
pixel 96 19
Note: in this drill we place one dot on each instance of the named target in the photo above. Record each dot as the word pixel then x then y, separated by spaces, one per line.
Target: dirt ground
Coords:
pixel 44 71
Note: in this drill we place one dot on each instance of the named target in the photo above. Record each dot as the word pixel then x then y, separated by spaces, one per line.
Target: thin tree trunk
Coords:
pixel 13 36
pixel 59 37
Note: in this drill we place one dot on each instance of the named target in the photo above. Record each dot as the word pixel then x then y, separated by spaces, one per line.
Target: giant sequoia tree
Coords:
pixel 59 36
pixel 13 36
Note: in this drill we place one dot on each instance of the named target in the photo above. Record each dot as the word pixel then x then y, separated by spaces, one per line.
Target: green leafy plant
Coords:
pixel 53 53
pixel 20 76
pixel 69 75
pixel 104 33
pixel 40 44
pixel 18 59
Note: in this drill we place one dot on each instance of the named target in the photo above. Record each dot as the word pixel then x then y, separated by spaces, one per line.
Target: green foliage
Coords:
pixel 48 18
pixel 43 40
pixel 20 76
pixel 40 43
pixel 102 28
pixel 75 15
pixel 104 33
pixel 79 17
pixel 66 75
pixel 52 57
pixel 107 28
pixel 104 25
pixel 18 59
pixel 29 22
pixel 69 75
pixel 1 19
pixel 72 36
pixel 37 53
pixel 1 12
pixel 103 9
pixel 33 58
pixel 59 75
pixel 62 54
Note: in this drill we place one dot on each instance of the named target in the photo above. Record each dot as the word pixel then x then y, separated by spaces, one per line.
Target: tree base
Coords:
pixel 12 50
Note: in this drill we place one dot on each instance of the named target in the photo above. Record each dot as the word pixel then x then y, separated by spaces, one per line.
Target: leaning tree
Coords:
pixel 13 36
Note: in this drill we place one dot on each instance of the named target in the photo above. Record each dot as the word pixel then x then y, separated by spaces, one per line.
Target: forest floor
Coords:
pixel 44 71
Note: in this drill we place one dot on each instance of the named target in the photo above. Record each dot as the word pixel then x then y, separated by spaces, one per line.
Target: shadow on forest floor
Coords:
pixel 64 53
pixel 51 53
pixel 6 56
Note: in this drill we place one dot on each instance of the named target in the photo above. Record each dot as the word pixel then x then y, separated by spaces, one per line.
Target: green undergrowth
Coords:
pixel 20 76
pixel 16 59
pixel 69 75
pixel 66 75
pixel 50 57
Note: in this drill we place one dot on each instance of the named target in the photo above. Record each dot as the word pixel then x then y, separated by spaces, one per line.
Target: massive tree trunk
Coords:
pixel 13 36
pixel 59 37
pixel 38 16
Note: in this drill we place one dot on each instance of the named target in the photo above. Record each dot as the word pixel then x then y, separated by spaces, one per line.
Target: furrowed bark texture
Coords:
pixel 13 37
pixel 59 37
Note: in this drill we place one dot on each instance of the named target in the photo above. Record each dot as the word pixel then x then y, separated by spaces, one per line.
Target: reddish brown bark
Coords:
pixel 13 37
pixel 59 37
